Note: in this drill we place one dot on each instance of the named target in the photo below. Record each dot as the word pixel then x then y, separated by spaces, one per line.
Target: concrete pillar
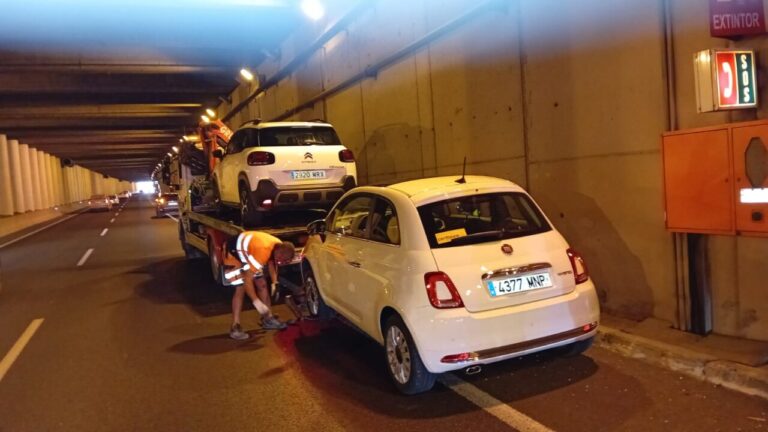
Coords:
pixel 34 165
pixel 26 177
pixel 45 180
pixel 57 168
pixel 17 183
pixel 54 185
pixel 6 189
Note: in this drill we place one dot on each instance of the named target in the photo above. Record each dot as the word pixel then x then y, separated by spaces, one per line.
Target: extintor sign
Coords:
pixel 725 79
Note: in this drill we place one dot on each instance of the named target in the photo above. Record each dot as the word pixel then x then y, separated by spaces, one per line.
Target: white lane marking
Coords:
pixel 113 220
pixel 8 243
pixel 492 406
pixel 18 347
pixel 172 217
pixel 103 233
pixel 85 257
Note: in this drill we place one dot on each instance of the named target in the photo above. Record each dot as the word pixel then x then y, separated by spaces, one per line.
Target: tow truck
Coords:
pixel 204 225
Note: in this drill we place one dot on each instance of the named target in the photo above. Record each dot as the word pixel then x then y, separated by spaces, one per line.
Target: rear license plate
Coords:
pixel 307 175
pixel 500 287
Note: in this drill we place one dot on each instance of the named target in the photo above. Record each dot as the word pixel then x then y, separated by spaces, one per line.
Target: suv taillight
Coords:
pixel 441 291
pixel 346 155
pixel 261 158
pixel 580 272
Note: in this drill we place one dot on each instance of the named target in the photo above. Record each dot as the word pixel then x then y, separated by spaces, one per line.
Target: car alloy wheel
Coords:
pixel 313 297
pixel 398 355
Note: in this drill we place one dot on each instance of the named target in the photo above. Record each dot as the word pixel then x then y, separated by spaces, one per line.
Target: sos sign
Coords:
pixel 725 80
pixel 736 79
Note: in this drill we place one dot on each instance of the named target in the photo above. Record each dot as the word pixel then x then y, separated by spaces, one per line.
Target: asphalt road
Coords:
pixel 136 339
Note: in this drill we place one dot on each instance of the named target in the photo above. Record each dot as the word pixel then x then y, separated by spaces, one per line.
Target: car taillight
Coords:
pixel 346 155
pixel 261 158
pixel 580 272
pixel 441 291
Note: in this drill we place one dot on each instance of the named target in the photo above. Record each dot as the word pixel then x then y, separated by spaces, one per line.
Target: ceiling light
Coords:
pixel 169 154
pixel 175 149
pixel 313 9
pixel 181 140
pixel 206 119
pixel 211 113
pixel 245 73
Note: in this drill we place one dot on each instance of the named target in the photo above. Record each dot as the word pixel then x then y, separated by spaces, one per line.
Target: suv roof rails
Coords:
pixel 253 122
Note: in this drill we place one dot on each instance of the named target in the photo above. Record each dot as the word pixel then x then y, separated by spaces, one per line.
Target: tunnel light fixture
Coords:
pixel 245 73
pixel 205 119
pixel 313 9
pixel 169 154
pixel 175 149
pixel 211 113
pixel 181 140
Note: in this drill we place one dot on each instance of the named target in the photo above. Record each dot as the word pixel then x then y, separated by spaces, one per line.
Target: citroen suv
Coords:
pixel 283 165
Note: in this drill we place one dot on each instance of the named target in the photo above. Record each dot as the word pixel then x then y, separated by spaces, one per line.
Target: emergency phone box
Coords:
pixel 716 179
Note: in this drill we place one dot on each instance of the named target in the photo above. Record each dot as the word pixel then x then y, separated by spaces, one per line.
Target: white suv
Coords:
pixel 449 274
pixel 285 165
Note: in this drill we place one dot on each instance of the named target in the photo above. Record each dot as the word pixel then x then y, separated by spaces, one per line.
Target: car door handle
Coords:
pixel 354 264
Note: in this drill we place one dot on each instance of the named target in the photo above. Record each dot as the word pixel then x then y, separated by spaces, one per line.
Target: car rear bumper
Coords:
pixel 500 334
pixel 287 197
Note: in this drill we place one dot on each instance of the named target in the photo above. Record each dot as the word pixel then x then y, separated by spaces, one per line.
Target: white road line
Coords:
pixel 492 406
pixel 85 257
pixel 8 243
pixel 18 347
pixel 172 217
pixel 113 220
pixel 103 233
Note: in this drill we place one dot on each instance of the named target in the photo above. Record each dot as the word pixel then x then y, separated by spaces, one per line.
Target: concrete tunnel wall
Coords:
pixel 32 180
pixel 571 105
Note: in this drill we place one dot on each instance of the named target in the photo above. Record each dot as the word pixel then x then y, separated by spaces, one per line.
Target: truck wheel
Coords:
pixel 217 270
pixel 315 304
pixel 249 216
pixel 190 252
pixel 403 361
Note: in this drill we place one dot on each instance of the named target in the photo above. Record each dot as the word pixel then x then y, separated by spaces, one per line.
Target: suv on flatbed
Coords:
pixel 283 165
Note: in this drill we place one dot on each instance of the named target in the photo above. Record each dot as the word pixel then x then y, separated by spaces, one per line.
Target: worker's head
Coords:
pixel 283 252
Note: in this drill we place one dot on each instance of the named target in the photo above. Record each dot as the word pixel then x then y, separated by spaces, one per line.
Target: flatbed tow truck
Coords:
pixel 204 226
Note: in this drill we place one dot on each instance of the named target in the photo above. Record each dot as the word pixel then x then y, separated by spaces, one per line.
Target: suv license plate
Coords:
pixel 500 287
pixel 307 175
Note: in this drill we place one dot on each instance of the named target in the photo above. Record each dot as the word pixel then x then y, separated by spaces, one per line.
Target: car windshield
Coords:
pixel 297 136
pixel 481 218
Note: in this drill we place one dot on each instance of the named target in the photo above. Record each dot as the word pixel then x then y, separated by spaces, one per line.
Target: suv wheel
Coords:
pixel 403 361
pixel 249 216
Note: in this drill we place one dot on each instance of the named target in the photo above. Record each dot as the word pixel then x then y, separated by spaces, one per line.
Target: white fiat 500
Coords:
pixel 448 275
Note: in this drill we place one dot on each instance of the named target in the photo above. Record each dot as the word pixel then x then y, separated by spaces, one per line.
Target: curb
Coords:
pixel 734 376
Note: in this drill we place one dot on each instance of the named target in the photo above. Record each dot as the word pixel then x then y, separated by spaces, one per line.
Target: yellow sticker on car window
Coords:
pixel 445 237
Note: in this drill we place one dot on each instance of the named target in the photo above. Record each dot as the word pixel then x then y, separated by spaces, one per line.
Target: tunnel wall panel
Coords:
pixel 17 182
pixel 26 174
pixel 6 185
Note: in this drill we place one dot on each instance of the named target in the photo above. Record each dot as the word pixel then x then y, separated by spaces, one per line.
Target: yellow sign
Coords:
pixel 445 237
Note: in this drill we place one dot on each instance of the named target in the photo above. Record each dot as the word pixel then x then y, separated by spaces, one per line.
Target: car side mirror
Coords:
pixel 317 227
pixel 218 154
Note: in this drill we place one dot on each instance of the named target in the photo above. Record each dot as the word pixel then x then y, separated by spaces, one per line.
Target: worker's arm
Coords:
pixel 272 267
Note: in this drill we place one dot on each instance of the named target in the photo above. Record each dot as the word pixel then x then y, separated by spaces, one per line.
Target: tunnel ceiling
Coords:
pixel 116 103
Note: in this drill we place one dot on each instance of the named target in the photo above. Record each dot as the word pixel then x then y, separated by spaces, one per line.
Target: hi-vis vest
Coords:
pixel 254 249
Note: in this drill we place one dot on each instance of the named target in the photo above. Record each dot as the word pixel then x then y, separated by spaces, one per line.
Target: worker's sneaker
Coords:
pixel 272 323
pixel 237 333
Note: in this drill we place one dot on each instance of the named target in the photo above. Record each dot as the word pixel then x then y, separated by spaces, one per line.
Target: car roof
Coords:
pixel 266 125
pixel 423 191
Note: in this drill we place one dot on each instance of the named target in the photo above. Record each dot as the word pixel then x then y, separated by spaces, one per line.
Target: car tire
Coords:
pixel 404 364
pixel 249 216
pixel 217 270
pixel 577 348
pixel 315 303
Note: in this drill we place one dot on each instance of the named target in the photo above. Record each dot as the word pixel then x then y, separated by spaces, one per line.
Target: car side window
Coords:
pixel 236 143
pixel 385 227
pixel 351 218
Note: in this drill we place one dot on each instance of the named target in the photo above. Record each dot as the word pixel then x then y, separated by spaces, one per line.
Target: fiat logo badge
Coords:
pixel 507 249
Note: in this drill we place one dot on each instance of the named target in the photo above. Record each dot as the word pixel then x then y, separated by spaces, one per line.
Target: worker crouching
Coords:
pixel 246 258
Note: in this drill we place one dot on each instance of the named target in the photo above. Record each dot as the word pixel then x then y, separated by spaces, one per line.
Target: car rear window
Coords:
pixel 481 218
pixel 170 196
pixel 297 136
